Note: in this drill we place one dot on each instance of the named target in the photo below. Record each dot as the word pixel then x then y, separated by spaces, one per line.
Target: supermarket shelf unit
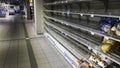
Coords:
pixel 61 21
pixel 74 50
pixel 82 14
pixel 67 1
pixel 81 27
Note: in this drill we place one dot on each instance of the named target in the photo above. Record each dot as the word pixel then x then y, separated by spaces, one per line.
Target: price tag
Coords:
pixel 81 14
pixel 92 33
pixel 92 15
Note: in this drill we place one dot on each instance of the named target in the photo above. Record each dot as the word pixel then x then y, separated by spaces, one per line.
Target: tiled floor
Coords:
pixel 14 51
pixel 14 54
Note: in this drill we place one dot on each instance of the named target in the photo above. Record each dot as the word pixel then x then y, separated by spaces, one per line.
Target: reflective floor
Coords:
pixel 20 47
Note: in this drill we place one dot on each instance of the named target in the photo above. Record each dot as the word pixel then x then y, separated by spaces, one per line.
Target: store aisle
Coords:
pixel 11 28
pixel 14 54
pixel 13 47
pixel 20 47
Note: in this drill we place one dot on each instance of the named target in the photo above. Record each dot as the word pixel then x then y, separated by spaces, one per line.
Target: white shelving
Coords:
pixel 84 14
pixel 88 44
pixel 67 1
pixel 74 49
pixel 62 17
pixel 69 57
pixel 81 27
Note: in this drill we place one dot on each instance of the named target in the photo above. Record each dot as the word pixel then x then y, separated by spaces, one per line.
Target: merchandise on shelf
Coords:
pixel 108 41
pixel 84 64
pixel 106 47
pixel 93 58
pixel 107 24
pixel 116 29
pixel 100 60
pixel 109 45
pixel 105 28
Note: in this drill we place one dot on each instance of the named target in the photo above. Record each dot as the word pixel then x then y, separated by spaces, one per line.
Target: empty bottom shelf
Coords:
pixel 47 56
